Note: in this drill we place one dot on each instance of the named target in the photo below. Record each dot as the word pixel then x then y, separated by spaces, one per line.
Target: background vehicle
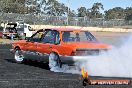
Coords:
pixel 58 46
pixel 20 30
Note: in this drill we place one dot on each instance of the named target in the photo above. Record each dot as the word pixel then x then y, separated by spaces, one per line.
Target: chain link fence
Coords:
pixel 62 20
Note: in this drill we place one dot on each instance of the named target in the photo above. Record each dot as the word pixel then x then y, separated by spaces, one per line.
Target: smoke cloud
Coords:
pixel 117 62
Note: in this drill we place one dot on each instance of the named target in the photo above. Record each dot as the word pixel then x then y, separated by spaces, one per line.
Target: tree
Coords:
pixel 48 7
pixel 82 12
pixel 12 6
pixel 128 13
pixel 33 6
pixel 95 10
pixel 115 13
pixel 72 13
pixel 51 7
pixel 57 9
pixel 89 13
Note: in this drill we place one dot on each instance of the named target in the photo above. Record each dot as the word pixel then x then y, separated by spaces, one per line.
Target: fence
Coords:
pixel 62 20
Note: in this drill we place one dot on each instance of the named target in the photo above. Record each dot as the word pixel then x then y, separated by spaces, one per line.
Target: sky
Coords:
pixel 75 4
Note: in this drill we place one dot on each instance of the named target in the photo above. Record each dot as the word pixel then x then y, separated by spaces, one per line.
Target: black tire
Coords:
pixel 54 61
pixel 84 82
pixel 18 56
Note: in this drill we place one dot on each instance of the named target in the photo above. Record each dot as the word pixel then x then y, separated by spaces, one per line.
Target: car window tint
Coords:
pixel 51 37
pixel 37 37
pixel 82 36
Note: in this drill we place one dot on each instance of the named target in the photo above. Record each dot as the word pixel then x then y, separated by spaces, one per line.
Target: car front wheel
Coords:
pixel 54 61
pixel 18 56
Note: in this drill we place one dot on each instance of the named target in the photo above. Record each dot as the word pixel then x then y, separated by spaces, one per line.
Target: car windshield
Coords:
pixel 82 36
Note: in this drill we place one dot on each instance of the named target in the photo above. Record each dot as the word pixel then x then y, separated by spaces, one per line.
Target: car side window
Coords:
pixel 51 37
pixel 36 37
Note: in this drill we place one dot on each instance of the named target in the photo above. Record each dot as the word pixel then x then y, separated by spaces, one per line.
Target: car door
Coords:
pixel 31 46
pixel 46 45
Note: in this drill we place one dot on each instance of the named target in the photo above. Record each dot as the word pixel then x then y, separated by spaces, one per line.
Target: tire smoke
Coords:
pixel 117 62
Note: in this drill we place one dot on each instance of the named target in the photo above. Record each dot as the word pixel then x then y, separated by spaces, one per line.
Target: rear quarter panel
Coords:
pixel 63 49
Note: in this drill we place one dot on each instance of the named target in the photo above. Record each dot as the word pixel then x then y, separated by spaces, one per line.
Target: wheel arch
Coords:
pixel 55 51
pixel 59 59
pixel 17 47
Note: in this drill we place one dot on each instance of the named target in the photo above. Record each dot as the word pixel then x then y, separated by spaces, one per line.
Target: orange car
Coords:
pixel 58 46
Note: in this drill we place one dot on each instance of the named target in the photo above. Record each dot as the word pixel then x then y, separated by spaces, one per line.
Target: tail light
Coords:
pixel 79 53
pixel 73 53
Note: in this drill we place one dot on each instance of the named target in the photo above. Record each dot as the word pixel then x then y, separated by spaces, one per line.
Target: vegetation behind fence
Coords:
pixel 62 20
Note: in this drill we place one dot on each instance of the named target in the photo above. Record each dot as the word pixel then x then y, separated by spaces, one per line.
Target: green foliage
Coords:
pixel 119 13
pixel 52 7
pixel 82 12
pixel 55 8
pixel 128 12
pixel 12 6
pixel 115 13
pixel 93 12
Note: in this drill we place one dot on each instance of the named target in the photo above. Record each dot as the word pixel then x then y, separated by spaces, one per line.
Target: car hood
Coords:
pixel 88 45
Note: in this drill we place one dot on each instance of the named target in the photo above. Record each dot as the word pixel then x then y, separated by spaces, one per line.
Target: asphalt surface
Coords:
pixel 37 75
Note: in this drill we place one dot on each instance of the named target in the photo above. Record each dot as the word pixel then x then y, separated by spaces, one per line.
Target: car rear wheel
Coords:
pixel 54 61
pixel 18 56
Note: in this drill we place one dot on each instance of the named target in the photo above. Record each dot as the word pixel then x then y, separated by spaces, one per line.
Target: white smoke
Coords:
pixel 66 69
pixel 117 62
